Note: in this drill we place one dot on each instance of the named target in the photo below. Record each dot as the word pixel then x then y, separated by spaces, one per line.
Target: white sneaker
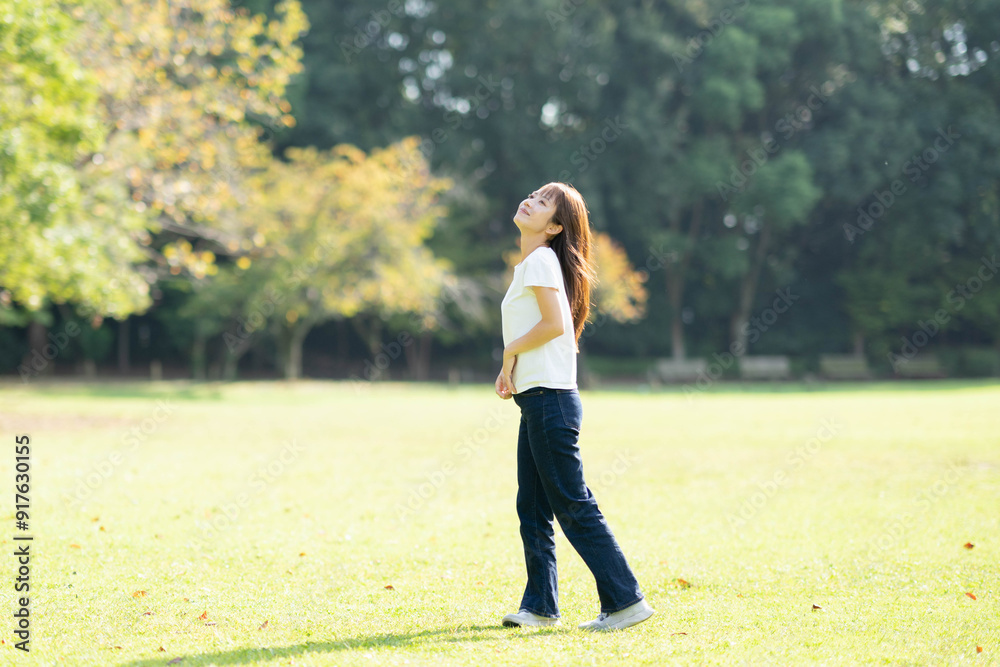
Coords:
pixel 526 618
pixel 625 618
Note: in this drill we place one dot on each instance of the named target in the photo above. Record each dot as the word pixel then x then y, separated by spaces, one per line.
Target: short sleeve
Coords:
pixel 542 270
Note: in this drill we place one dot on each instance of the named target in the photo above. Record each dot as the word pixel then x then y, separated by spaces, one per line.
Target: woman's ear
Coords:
pixel 553 229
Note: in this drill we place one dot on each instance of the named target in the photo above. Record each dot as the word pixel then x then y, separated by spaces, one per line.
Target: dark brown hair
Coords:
pixel 573 248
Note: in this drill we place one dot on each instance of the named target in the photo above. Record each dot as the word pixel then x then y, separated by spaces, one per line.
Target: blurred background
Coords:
pixel 781 189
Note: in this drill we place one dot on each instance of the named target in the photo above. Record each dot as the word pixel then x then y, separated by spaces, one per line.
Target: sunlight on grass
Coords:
pixel 333 524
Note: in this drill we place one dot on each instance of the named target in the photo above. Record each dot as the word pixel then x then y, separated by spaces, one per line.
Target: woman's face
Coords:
pixel 535 213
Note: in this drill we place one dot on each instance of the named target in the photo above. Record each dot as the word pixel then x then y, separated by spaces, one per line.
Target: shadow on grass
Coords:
pixel 242 656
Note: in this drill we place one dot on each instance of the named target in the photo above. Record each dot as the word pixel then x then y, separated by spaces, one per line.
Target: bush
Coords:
pixel 971 361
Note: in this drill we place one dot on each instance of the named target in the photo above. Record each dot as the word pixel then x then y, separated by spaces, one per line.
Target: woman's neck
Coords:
pixel 530 243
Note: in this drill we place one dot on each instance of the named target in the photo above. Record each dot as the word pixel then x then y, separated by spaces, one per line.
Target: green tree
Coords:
pixel 185 88
pixel 914 249
pixel 345 235
pixel 59 241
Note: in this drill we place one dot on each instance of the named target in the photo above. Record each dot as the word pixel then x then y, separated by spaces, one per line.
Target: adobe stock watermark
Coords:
pixel 914 168
pixel 696 45
pixel 656 259
pixel 228 513
pixel 461 451
pixel 364 36
pixel 577 510
pixel 239 338
pixel 786 127
pixel 454 118
pixel 794 460
pixel 562 13
pixel 590 151
pixel 40 359
pixel 956 299
pixel 104 469
pixel 752 330
pixel 894 529
pixel 622 463
pixel 374 368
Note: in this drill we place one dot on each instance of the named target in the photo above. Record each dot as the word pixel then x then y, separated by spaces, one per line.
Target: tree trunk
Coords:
pixel 748 290
pixel 36 358
pixel 198 355
pixel 231 359
pixel 292 356
pixel 374 338
pixel 372 335
pixel 418 356
pixel 231 365
pixel 676 275
pixel 675 290
pixel 859 344
pixel 123 347
pixel 584 378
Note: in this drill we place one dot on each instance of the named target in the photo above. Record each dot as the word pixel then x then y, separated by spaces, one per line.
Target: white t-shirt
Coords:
pixel 552 364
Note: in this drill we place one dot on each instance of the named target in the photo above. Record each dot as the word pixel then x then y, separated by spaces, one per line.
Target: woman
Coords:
pixel 544 312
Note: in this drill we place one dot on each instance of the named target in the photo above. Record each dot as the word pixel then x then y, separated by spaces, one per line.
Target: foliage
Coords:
pixel 342 233
pixel 58 240
pixel 620 292
pixel 730 149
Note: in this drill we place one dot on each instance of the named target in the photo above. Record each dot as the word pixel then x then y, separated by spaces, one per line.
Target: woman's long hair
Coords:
pixel 573 248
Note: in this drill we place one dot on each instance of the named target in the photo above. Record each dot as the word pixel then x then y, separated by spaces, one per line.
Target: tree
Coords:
pixel 920 234
pixel 344 235
pixel 59 241
pixel 184 88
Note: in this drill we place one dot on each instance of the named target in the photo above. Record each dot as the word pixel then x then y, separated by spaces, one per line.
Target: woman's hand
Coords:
pixel 505 382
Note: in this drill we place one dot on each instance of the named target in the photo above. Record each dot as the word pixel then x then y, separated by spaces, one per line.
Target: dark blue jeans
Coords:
pixel 550 484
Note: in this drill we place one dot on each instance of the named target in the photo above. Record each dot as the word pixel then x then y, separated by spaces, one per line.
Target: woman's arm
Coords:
pixel 548 328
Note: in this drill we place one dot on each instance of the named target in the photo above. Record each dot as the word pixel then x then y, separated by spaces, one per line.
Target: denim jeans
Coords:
pixel 550 484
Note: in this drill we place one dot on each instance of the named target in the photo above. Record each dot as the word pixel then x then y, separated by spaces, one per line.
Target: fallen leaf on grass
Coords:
pixel 389 587
pixel 302 554
pixel 683 584
pixel 139 594
pixel 262 625
pixel 979 649
pixel 161 650
pixel 968 545
pixel 203 616
pixel 147 613
pixel 971 595
pixel 816 607
pixel 211 623
pixel 74 546
pixel 677 633
pixel 739 595
pixel 118 647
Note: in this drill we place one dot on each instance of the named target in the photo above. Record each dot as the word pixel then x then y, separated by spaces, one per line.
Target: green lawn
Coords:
pixel 375 524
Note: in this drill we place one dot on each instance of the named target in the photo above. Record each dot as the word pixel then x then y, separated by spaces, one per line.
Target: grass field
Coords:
pixel 340 524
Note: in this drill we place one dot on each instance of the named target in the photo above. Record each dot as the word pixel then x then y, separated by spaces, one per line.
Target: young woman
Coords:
pixel 544 312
